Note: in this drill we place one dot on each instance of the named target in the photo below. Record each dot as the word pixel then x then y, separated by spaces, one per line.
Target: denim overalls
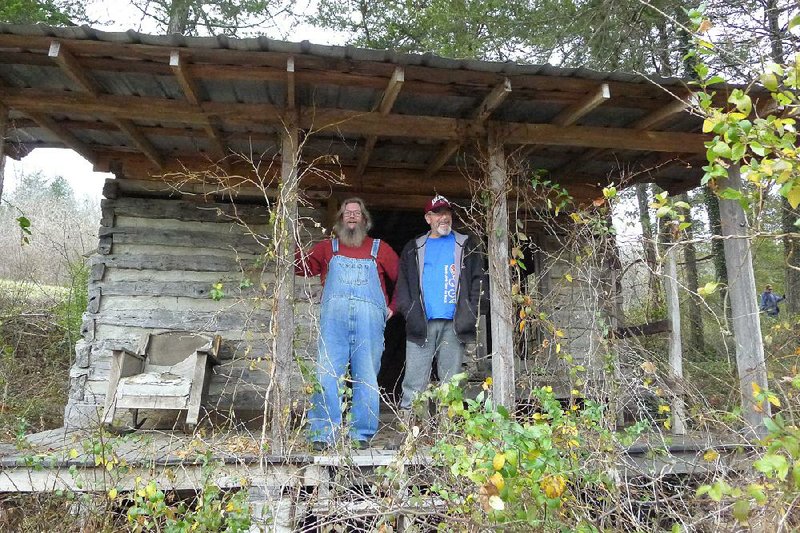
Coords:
pixel 352 321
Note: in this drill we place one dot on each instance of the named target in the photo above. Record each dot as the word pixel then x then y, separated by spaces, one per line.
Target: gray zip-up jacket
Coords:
pixel 471 288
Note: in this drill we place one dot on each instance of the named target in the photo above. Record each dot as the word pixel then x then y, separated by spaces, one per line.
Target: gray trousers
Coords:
pixel 442 343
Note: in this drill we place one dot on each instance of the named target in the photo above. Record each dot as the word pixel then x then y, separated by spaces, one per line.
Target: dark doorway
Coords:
pixel 396 228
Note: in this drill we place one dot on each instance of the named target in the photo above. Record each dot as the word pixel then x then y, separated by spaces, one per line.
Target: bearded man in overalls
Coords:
pixel 357 273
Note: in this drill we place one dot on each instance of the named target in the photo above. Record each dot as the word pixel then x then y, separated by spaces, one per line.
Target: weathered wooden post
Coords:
pixel 3 123
pixel 500 278
pixel 283 312
pixel 742 290
pixel 675 351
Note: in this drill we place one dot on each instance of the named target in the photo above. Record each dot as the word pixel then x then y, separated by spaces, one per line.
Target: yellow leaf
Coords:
pixel 558 348
pixel 756 389
pixel 663 408
pixel 521 327
pixel 648 367
pixel 498 462
pixel 794 196
pixel 710 455
pixel 558 333
pixel 774 400
pixel 112 494
pixel 568 277
pixel 73 453
pixel 553 486
pixel 708 125
pixel 497 480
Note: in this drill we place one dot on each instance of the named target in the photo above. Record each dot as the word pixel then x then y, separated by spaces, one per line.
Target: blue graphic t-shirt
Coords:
pixel 439 278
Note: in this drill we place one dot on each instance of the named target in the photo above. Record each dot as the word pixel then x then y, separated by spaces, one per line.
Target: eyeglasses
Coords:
pixel 352 214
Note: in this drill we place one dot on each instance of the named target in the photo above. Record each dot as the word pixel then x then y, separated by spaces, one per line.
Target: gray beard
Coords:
pixel 352 238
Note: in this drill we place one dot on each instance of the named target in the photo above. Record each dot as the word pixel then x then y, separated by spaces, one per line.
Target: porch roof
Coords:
pixel 397 124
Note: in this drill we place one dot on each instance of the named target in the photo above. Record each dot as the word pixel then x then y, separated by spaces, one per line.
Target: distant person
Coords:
pixel 769 301
pixel 357 273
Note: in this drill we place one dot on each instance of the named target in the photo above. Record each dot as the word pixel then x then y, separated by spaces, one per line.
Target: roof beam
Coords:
pixel 491 102
pixel 62 133
pixel 390 94
pixel 350 122
pixel 72 68
pixel 652 119
pixel 573 113
pixel 192 93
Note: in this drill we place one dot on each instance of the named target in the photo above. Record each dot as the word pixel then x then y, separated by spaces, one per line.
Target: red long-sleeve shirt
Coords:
pixel 316 262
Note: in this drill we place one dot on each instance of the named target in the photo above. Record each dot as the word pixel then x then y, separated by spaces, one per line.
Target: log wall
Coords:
pixel 156 264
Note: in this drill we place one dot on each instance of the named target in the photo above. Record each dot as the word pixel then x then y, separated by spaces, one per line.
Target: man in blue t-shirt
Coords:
pixel 440 289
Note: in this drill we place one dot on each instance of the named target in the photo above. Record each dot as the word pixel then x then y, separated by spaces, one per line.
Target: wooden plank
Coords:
pixel 72 68
pixel 67 137
pixel 744 311
pixel 390 94
pixel 190 211
pixel 491 102
pixel 500 279
pixel 189 320
pixel 169 263
pixel 675 349
pixel 282 323
pixel 185 238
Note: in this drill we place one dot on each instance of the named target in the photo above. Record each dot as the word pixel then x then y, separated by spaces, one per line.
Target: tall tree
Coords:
pixel 213 17
pixel 695 310
pixel 649 245
pixel 55 12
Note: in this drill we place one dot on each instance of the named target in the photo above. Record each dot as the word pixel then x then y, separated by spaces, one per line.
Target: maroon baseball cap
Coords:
pixel 437 202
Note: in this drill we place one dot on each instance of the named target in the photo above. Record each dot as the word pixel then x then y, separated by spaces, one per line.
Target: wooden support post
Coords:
pixel 675 351
pixel 3 124
pixel 742 291
pixel 500 279
pixel 283 309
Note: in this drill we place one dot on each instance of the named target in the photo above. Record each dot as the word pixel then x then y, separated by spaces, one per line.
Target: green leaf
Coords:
pixel 794 22
pixel 730 194
pixel 757 148
pixel 722 149
pixel 773 464
pixel 662 211
pixel 741 510
pixel 737 152
pixel 770 81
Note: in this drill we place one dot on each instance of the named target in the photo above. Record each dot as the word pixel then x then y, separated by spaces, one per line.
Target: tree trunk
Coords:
pixel 649 245
pixel 178 17
pixel 791 246
pixel 717 247
pixel 692 284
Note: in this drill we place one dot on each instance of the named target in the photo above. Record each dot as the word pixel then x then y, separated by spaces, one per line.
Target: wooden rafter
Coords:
pixel 491 102
pixel 72 68
pixel 140 141
pixel 390 94
pixel 192 93
pixel 65 135
pixel 573 113
pixel 650 120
